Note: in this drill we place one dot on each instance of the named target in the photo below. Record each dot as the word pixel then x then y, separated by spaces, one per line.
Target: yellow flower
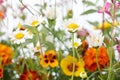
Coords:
pixel 116 23
pixel 72 27
pixel 35 23
pixel 49 59
pixel 106 25
pixel 67 66
pixel 20 26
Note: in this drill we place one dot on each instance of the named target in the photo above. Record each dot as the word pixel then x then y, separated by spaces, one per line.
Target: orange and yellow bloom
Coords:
pixel 49 59
pixel 5 57
pixel 91 61
pixel 67 66
pixel 5 54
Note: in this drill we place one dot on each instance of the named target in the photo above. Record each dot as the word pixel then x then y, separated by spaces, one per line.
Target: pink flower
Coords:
pixel 1 1
pixel 105 9
pixel 117 5
pixel 83 32
pixel 118 48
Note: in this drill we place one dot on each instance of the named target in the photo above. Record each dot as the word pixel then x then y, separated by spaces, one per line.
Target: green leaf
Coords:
pixel 93 23
pixel 31 29
pixel 35 39
pixel 89 3
pixel 49 45
pixel 90 11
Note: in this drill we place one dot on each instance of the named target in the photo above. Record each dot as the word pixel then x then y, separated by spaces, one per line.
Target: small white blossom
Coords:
pixel 19 36
pixel 95 39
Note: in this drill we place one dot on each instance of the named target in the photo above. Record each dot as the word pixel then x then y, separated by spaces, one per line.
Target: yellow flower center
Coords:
pixel 72 26
pixel 35 23
pixel 19 35
pixel 76 44
pixel 38 47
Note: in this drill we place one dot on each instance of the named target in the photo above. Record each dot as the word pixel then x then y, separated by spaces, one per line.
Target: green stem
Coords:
pixel 73 49
pixel 110 68
pixel 26 7
pixel 98 62
pixel 39 41
pixel 88 78
pixel 24 57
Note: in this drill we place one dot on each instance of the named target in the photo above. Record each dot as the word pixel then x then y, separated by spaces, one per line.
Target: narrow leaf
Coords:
pixel 90 11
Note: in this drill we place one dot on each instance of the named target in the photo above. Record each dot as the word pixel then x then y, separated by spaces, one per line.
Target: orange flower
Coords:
pixel 90 58
pixel 49 59
pixel 5 54
pixel 30 75
pixel 1 15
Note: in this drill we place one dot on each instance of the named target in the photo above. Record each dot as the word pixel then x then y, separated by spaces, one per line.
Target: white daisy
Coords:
pixel 77 42
pixel 95 39
pixel 71 25
pixel 50 12
pixel 19 36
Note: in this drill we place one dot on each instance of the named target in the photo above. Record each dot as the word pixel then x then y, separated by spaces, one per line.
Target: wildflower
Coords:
pixel 77 42
pixel 2 12
pixel 90 58
pixel 95 39
pixel 1 72
pixel 82 48
pixel 83 75
pixel 19 36
pixel 1 15
pixel 20 26
pixel 50 12
pixel 35 23
pixel 72 27
pixel 6 54
pixel 49 59
pixel 108 25
pixel 83 32
pixel 30 75
pixel 1 1
pixel 67 66
pixel 105 9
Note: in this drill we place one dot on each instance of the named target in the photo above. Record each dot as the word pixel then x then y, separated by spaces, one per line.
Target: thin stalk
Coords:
pixel 113 19
pixel 24 57
pixel 73 49
pixel 98 62
pixel 39 41
pixel 103 16
pixel 110 68
pixel 26 7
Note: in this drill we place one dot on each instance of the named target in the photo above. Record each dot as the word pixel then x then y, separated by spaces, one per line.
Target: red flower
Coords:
pixel 30 75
